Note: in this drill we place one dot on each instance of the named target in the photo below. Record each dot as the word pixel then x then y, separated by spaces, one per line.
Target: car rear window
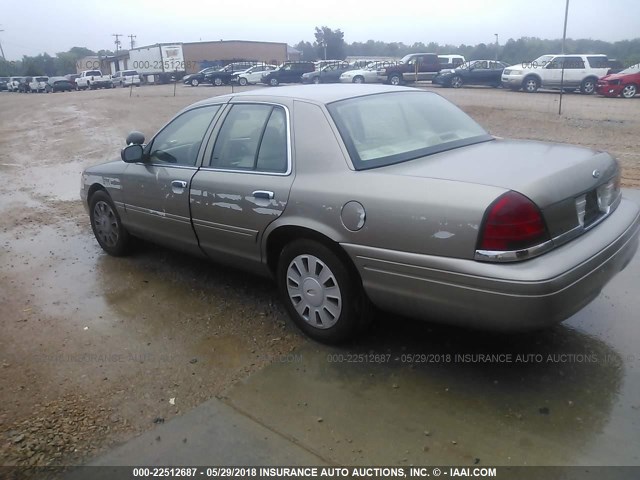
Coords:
pixel 388 128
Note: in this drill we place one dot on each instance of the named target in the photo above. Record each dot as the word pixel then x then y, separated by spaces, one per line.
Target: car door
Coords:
pixel 574 71
pixel 244 182
pixel 479 73
pixel 156 191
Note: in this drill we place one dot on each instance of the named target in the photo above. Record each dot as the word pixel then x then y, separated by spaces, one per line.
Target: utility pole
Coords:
pixel 132 41
pixel 497 46
pixel 564 38
pixel 1 50
pixel 117 42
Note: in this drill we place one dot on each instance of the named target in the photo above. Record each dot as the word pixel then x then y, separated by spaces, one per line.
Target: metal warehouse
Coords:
pixel 198 55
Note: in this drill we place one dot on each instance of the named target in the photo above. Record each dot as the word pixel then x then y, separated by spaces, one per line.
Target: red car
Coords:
pixel 624 84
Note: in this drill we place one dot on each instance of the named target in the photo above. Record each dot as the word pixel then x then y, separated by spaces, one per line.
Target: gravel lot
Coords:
pixel 96 349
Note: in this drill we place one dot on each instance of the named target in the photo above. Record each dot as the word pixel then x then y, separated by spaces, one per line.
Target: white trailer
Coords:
pixel 158 63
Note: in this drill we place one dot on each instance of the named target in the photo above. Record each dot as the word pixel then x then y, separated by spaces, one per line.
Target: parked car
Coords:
pixel 14 83
pixel 195 79
pixel 3 83
pixel 369 74
pixel 411 68
pixel 224 75
pixel 475 72
pixel 72 78
pixel 59 84
pixel 389 195
pixel 580 72
pixel 125 78
pixel 253 75
pixel 38 84
pixel 288 72
pixel 329 73
pixel 615 66
pixel 624 84
pixel 451 61
pixel 93 79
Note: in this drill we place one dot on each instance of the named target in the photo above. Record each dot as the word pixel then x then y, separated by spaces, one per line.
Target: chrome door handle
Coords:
pixel 263 194
pixel 179 184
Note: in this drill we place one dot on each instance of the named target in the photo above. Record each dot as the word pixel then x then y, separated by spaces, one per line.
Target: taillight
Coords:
pixel 512 222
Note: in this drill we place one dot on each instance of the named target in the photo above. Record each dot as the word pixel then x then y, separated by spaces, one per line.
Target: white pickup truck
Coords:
pixel 92 79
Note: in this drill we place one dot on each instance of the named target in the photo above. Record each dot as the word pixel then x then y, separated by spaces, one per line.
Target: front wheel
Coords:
pixel 320 293
pixel 107 226
pixel 531 84
pixel 456 81
pixel 242 81
pixel 358 79
pixel 316 80
pixel 395 79
pixel 217 81
pixel 274 82
pixel 629 91
pixel 195 82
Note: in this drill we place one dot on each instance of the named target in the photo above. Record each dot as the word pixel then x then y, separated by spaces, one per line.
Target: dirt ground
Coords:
pixel 97 349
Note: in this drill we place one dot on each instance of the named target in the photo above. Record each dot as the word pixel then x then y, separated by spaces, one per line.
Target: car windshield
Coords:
pixel 384 129
pixel 40 79
pixel 632 69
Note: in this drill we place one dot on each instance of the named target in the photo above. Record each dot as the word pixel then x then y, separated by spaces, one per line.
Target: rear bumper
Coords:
pixel 509 297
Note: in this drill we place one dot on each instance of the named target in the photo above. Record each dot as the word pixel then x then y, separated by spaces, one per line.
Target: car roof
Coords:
pixel 314 93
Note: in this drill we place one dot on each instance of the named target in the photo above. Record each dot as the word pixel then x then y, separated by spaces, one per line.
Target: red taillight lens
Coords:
pixel 512 222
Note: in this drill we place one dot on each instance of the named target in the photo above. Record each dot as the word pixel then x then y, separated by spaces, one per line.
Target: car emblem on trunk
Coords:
pixel 596 173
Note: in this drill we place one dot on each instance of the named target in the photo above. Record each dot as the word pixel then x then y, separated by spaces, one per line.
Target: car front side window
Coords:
pixel 179 142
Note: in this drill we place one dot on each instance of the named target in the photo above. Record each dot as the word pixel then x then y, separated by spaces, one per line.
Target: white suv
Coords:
pixel 580 72
pixel 125 78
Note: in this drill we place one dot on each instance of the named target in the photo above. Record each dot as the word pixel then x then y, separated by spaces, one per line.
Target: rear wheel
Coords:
pixel 242 81
pixel 106 225
pixel 195 82
pixel 456 81
pixel 217 81
pixel 316 80
pixel 531 84
pixel 274 82
pixel 629 91
pixel 321 295
pixel 358 79
pixel 588 86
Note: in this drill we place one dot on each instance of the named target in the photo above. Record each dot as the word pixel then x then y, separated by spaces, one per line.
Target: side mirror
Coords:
pixel 136 138
pixel 132 153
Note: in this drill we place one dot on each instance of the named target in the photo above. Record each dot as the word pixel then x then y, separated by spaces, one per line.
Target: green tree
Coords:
pixel 329 43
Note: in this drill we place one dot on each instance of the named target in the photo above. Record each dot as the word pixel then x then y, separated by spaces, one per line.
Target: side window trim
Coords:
pixel 218 127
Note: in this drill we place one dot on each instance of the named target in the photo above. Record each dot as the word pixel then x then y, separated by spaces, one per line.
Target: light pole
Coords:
pixel 1 50
pixel 497 46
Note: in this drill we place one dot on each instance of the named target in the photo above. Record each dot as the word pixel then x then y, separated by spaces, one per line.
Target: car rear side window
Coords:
pixel 389 128
pixel 253 138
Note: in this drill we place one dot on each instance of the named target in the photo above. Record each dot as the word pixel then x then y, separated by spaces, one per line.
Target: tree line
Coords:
pixel 329 43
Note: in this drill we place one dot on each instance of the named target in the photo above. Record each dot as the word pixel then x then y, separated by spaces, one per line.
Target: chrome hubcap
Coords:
pixel 588 87
pixel 456 82
pixel 314 291
pixel 395 80
pixel 105 223
pixel 531 85
pixel 629 91
pixel 218 82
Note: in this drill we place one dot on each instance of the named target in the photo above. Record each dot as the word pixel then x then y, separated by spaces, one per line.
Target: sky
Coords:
pixel 42 26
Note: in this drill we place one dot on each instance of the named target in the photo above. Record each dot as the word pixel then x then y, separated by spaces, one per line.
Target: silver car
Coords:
pixel 360 195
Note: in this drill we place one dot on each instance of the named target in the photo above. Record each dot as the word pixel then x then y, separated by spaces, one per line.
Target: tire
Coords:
pixel 456 81
pixel 194 82
pixel 316 80
pixel 107 226
pixel 358 79
pixel 324 299
pixel 588 86
pixel 531 84
pixel 217 81
pixel 242 81
pixel 395 79
pixel 629 91
pixel 274 82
